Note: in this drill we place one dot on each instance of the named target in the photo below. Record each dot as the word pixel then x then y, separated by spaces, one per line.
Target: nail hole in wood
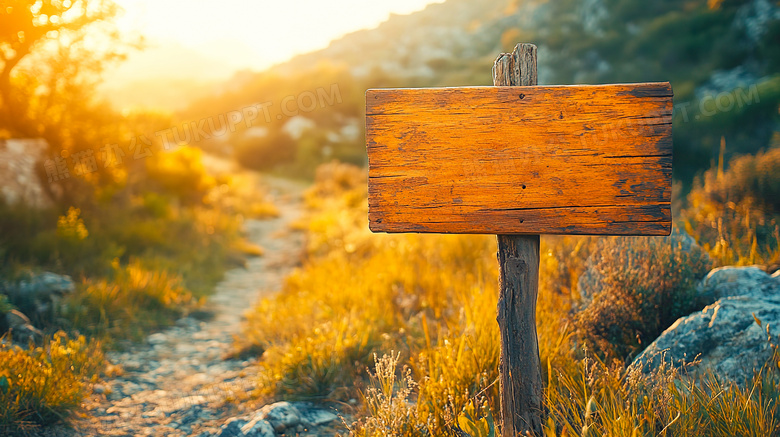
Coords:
pixel 524 186
pixel 522 96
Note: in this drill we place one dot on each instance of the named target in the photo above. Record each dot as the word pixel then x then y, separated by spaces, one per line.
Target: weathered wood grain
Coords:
pixel 519 366
pixel 589 159
pixel 518 284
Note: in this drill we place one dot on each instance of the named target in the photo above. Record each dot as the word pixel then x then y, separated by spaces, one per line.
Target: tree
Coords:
pixel 51 34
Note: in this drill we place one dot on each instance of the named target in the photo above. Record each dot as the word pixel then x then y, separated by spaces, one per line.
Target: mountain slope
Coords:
pixel 722 57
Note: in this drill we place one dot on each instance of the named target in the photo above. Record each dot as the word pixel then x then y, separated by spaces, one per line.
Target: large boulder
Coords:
pixel 38 294
pixel 731 337
pixel 39 285
pixel 731 281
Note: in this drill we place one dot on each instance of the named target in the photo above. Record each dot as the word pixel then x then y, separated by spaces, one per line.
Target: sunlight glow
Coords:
pixel 238 34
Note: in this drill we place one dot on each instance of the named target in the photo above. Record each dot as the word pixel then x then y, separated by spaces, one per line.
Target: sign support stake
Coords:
pixel 518 280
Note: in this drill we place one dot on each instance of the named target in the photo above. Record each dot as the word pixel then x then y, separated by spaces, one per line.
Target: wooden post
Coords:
pixel 518 280
pixel 517 163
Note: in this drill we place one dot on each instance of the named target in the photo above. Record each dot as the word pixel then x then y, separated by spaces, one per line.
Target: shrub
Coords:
pixel 132 302
pixel 5 305
pixel 44 385
pixel 266 152
pixel 734 213
pixel 181 173
pixel 646 284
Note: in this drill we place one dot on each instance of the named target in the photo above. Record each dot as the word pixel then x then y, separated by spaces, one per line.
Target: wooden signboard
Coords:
pixel 520 160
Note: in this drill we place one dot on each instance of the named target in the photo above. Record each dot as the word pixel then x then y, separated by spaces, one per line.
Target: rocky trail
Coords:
pixel 178 382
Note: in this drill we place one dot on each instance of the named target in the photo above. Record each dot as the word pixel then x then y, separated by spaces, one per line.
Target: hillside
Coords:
pixel 722 58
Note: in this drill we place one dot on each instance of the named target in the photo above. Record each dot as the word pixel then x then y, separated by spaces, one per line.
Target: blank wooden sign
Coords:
pixel 593 159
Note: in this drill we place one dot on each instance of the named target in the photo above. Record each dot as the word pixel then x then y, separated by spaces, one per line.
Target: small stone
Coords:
pixel 258 427
pixel 130 365
pixel 98 389
pixel 24 334
pixel 115 395
pixel 131 388
pixel 188 323
pixel 282 415
pixel 16 318
pixel 157 338
pixel 316 416
pixel 232 427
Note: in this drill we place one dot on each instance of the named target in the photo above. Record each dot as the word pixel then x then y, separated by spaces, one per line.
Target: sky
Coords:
pixel 200 40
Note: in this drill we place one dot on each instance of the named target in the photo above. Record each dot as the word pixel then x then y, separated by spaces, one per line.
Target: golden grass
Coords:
pixel 44 385
pixel 426 305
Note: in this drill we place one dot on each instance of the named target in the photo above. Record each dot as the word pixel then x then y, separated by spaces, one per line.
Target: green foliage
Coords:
pixel 646 284
pixel 44 385
pixel 5 305
pixel 684 42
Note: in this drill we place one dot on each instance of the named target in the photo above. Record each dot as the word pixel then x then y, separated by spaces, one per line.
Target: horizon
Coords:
pixel 207 48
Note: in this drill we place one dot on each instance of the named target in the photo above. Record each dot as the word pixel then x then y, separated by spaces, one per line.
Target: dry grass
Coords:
pixel 44 385
pixel 432 300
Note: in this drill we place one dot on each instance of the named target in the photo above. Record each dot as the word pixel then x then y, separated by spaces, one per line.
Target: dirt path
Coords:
pixel 176 383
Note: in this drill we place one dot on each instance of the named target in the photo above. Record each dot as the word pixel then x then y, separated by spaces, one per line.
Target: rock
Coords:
pixel 258 427
pixel 188 323
pixel 731 281
pixel 38 294
pixel 130 388
pixel 282 415
pixel 40 285
pixel 21 329
pixel 232 427
pixel 24 334
pixel 312 416
pixel 115 395
pixel 237 427
pixel 16 318
pixel 724 337
pixel 157 338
